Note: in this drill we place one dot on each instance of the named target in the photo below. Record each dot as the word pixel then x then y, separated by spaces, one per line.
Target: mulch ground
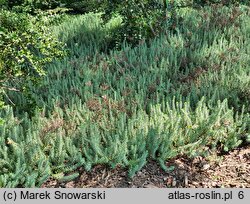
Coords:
pixel 229 170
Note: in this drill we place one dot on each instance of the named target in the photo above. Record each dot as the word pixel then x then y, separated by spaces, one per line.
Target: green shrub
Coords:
pixel 141 19
pixel 31 4
pixel 224 2
pixel 25 48
pixel 85 6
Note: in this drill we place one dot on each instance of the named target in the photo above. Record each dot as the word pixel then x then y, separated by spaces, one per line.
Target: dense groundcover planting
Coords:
pixel 78 88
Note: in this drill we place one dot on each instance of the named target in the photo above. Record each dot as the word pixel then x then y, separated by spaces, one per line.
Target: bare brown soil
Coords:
pixel 229 170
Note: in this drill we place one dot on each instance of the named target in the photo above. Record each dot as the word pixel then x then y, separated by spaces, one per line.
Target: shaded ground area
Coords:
pixel 230 170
